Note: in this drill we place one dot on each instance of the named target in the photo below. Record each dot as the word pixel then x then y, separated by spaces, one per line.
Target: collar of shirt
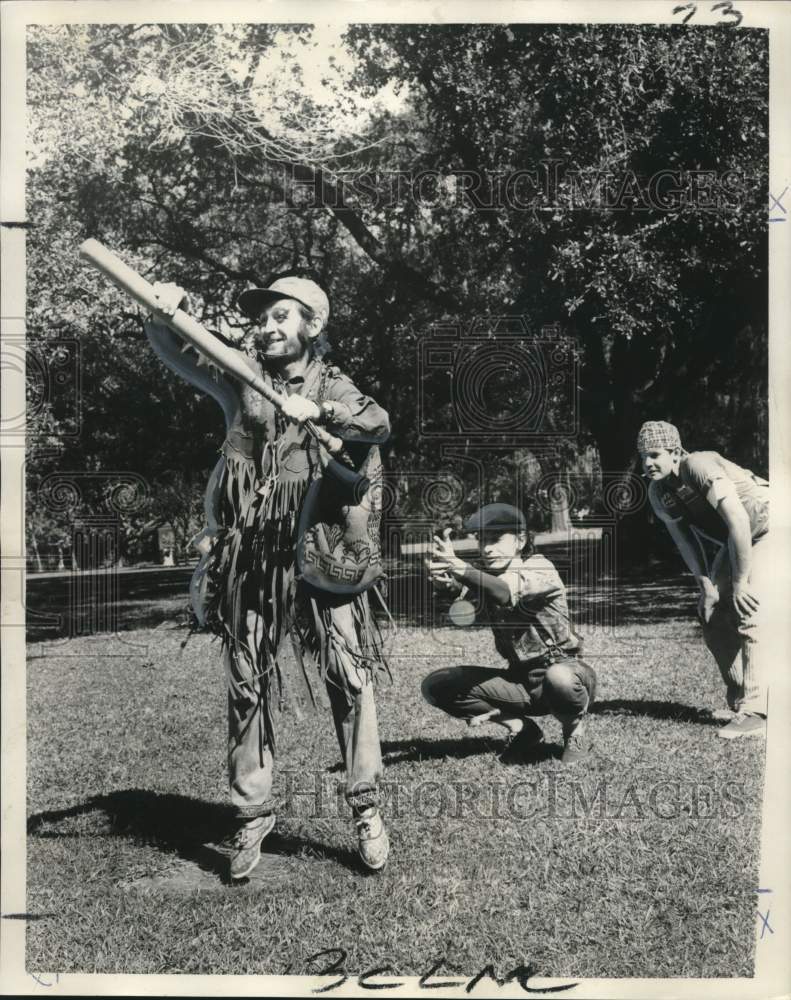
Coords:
pixel 298 383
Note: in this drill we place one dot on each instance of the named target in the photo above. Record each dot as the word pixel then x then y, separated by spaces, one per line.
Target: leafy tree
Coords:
pixel 180 147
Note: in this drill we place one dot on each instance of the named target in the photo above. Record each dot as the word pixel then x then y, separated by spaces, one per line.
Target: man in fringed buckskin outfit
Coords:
pixel 246 587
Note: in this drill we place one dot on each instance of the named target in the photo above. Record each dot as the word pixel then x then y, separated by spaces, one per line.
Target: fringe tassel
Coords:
pixel 252 567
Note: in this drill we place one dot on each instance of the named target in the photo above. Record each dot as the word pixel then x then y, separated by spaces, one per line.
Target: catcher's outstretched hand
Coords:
pixel 443 557
pixel 438 573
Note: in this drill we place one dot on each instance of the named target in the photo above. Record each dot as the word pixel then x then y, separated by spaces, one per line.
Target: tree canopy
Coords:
pixel 607 181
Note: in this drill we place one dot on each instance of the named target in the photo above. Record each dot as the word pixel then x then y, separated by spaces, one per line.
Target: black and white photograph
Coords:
pixel 393 396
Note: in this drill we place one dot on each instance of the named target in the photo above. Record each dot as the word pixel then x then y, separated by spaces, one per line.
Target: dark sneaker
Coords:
pixel 743 724
pixel 521 744
pixel 373 842
pixel 245 845
pixel 576 745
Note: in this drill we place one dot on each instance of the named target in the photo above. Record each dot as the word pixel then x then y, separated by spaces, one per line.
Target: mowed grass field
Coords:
pixel 642 862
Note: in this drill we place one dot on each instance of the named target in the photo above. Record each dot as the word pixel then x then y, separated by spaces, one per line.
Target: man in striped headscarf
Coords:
pixel 718 516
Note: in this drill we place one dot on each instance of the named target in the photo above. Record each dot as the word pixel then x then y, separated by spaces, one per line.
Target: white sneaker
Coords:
pixel 576 743
pixel 373 842
pixel 743 724
pixel 246 845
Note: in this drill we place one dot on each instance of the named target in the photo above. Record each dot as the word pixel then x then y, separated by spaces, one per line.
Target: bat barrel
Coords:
pixel 121 274
pixel 144 294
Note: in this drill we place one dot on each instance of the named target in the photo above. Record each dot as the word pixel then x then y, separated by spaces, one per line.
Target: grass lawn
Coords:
pixel 642 862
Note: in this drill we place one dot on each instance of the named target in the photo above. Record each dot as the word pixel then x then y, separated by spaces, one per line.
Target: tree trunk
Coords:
pixel 36 553
pixel 559 498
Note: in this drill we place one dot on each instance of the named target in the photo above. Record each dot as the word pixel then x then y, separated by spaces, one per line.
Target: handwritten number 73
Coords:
pixel 725 6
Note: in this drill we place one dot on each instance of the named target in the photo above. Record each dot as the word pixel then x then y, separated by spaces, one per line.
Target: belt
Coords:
pixel 553 654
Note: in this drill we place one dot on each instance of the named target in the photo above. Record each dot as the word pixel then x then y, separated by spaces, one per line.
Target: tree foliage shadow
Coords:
pixel 192 829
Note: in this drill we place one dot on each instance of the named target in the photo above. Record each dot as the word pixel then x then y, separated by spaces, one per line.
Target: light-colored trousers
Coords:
pixel 251 764
pixel 739 644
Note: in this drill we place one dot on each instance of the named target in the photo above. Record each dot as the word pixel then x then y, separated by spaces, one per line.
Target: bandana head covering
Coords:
pixel 658 434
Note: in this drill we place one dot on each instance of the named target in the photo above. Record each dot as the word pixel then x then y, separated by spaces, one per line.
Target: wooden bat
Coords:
pixel 226 358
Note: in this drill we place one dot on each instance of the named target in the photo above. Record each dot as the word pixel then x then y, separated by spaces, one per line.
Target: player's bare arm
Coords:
pixel 687 545
pixel 740 550
pixel 445 560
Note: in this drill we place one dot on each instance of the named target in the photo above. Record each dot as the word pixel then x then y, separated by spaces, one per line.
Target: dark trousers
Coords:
pixel 564 690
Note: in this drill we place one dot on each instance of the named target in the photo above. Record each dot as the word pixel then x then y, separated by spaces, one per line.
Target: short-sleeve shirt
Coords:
pixel 704 480
pixel 537 616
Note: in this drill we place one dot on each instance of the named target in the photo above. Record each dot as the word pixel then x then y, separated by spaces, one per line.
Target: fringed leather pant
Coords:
pixel 251 721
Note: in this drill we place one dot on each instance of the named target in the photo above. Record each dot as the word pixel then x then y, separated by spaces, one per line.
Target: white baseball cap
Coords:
pixel 302 290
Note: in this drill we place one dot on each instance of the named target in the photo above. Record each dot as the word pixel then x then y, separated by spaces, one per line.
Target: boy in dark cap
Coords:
pixel 707 502
pixel 525 601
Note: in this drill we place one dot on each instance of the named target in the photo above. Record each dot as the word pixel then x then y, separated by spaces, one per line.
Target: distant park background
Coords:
pixel 386 162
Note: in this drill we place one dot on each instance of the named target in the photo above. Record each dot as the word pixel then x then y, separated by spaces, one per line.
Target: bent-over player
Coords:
pixel 250 594
pixel 525 601
pixel 703 498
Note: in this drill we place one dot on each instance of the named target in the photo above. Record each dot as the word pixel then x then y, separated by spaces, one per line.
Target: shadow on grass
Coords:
pixel 191 828
pixel 654 710
pixel 400 751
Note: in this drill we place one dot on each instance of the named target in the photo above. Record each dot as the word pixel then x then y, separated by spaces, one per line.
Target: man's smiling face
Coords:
pixel 659 462
pixel 282 334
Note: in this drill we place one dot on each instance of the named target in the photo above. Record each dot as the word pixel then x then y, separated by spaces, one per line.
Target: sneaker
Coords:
pixel 743 724
pixel 576 745
pixel 374 844
pixel 522 743
pixel 245 845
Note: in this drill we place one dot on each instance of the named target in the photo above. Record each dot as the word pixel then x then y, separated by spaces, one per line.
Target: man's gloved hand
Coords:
pixel 171 297
pixel 298 409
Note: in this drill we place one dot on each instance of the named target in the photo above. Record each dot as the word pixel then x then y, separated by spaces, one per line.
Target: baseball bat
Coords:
pixel 226 358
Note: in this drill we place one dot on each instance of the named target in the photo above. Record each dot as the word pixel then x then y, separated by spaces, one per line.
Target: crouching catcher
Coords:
pixel 525 601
